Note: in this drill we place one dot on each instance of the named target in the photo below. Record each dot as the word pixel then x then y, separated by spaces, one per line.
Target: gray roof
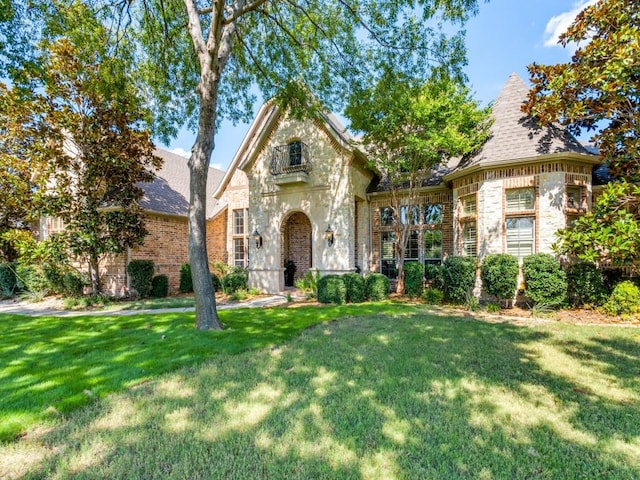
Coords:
pixel 515 135
pixel 169 192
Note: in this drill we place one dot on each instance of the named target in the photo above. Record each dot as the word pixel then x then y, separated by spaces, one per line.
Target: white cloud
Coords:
pixel 180 151
pixel 558 24
pixel 217 166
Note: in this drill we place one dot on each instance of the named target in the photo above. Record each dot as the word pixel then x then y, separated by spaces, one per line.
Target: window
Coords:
pixel 388 255
pixel 386 217
pixel 238 222
pixel 469 206
pixel 520 236
pixel 520 199
pixel 469 235
pixel 432 241
pixel 432 214
pixel 239 252
pixel 409 216
pixel 413 245
pixel 574 197
pixel 295 154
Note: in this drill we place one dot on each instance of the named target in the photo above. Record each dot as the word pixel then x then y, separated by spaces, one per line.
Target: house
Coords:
pixel 303 190
pixel 299 194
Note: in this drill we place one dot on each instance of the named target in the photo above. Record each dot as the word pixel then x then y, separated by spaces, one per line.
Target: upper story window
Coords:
pixel 386 217
pixel 295 154
pixel 469 205
pixel 432 214
pixel 239 222
pixel 520 199
pixel 574 197
pixel 290 158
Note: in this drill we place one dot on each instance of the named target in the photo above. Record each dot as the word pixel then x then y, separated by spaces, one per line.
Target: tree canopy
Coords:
pixel 599 92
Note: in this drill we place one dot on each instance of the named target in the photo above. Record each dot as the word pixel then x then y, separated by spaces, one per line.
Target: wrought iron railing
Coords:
pixel 290 158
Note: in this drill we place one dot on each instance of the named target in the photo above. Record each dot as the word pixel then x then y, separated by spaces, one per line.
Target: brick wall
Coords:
pixel 216 239
pixel 297 243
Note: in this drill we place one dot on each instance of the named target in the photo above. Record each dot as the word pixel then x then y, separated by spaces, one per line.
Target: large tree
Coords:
pixel 203 57
pixel 599 91
pixel 410 127
pixel 85 132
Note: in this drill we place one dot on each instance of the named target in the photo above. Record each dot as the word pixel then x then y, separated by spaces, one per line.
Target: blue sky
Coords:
pixel 505 37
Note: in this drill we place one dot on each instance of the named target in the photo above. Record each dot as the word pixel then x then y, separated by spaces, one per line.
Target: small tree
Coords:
pixel 545 282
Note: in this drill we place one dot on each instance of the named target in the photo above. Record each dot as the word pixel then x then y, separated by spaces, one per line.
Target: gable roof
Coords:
pixel 169 192
pixel 265 121
pixel 517 136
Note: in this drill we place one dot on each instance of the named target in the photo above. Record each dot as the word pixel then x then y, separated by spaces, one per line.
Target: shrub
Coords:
pixel 432 296
pixel 159 286
pixel 186 281
pixel 356 287
pixel 624 299
pixel 492 307
pixel 308 284
pixel 8 280
pixel 141 272
pixel 377 287
pixel 499 274
pixel 233 282
pixel 434 276
pixel 545 281
pixel 413 279
pixel 239 295
pixel 217 284
pixel 459 275
pixel 73 284
pixel 31 279
pixel 331 289
pixel 585 285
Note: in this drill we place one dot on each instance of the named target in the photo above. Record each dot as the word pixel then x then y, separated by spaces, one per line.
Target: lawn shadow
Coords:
pixel 386 396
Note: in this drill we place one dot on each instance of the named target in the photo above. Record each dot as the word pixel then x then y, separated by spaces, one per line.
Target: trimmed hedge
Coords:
pixel 332 289
pixel 432 296
pixel 186 281
pixel 459 275
pixel 585 285
pixel 546 283
pixel 625 299
pixel 356 287
pixel 141 272
pixel 234 281
pixel 377 287
pixel 499 274
pixel 434 275
pixel 8 280
pixel 413 279
pixel 159 286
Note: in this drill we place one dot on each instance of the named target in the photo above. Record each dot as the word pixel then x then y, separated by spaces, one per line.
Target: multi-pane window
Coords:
pixel 469 206
pixel 410 216
pixel 520 236
pixel 520 199
pixel 469 239
pixel 432 214
pixel 412 252
pixel 240 251
pixel 432 241
pixel 386 216
pixel 388 254
pixel 295 154
pixel 574 197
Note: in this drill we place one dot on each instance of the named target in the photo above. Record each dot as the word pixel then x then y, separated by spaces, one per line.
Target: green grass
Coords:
pixel 108 304
pixel 53 365
pixel 396 392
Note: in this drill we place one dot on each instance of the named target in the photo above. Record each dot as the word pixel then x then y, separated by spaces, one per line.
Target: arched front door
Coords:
pixel 296 247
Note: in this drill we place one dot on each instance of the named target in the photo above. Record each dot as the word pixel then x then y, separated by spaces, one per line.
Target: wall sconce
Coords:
pixel 328 236
pixel 257 238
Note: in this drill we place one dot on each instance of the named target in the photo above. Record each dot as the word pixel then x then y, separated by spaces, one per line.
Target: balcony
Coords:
pixel 290 164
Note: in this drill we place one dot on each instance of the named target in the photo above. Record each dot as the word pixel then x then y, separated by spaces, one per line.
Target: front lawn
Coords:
pixel 396 392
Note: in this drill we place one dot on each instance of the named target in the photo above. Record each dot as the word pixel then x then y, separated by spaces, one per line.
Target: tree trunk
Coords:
pixel 94 274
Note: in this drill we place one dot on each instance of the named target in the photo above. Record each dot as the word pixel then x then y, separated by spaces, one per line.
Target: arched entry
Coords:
pixel 296 246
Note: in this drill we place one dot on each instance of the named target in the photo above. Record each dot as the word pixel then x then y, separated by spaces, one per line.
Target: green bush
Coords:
pixel 186 281
pixel 377 287
pixel 413 279
pixel 73 284
pixel 356 287
pixel 499 274
pixel 8 280
pixel 545 282
pixel 308 284
pixel 585 285
pixel 459 275
pixel 31 279
pixel 331 289
pixel 432 296
pixel 141 273
pixel 434 276
pixel 234 281
pixel 625 299
pixel 217 284
pixel 159 286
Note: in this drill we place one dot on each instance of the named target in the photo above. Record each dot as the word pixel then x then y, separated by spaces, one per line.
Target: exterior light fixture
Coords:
pixel 328 236
pixel 257 238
